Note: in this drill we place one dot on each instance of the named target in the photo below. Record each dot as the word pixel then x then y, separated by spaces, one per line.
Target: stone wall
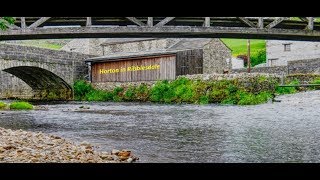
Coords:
pixel 146 45
pixel 272 70
pixel 69 66
pixel 299 50
pixel 293 67
pixel 111 85
pixel 304 66
pixel 215 57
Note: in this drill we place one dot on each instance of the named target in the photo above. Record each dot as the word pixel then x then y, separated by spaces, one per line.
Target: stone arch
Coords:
pixel 44 83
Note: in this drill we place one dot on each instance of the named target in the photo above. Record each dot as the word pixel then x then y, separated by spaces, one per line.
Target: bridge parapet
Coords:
pixel 47 72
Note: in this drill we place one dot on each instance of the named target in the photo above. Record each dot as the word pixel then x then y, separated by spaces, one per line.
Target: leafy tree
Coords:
pixel 5 21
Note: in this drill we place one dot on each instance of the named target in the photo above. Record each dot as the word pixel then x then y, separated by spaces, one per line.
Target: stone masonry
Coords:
pixel 25 70
pixel 215 53
pixel 278 55
pixel 293 67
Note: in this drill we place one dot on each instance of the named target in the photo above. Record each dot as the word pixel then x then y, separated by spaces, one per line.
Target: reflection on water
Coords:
pixel 288 131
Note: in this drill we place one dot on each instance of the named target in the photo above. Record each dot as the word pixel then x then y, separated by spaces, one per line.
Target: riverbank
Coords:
pixel 238 89
pixel 18 146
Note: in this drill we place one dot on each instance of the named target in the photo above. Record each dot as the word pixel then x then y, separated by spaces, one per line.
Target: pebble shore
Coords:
pixel 18 146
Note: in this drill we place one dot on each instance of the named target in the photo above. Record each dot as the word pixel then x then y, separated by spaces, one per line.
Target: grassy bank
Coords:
pixel 296 79
pixel 254 90
pixel 3 105
pixel 21 105
pixel 239 47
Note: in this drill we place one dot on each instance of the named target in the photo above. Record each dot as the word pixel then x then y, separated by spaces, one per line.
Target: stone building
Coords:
pixel 279 53
pixel 215 54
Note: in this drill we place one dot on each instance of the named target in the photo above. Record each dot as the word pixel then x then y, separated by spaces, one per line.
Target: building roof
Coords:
pixel 108 41
pixel 131 55
pixel 182 45
pixel 191 43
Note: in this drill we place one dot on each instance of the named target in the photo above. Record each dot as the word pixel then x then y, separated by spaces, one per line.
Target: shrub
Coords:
pixel 158 90
pixel 129 94
pixel 142 92
pixel 288 90
pixel 21 106
pixel 117 94
pixel 199 89
pixel 98 95
pixel 258 57
pixel 252 99
pixel 315 81
pixel 3 105
pixel 252 90
pixel 81 88
pixel 204 100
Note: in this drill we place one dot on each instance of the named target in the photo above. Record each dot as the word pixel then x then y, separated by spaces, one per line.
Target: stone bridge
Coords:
pixel 30 72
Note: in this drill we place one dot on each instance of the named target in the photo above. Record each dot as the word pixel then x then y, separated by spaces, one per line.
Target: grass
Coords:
pixel 3 105
pixel 239 46
pixel 257 49
pixel 21 106
pixel 42 44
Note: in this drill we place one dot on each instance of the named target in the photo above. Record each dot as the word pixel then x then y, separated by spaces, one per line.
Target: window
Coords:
pixel 287 47
pixel 273 62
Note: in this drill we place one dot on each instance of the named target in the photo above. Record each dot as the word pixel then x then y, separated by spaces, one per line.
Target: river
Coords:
pixel 286 131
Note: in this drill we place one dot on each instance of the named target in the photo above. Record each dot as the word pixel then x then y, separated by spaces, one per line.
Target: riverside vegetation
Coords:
pixel 248 91
pixel 256 90
pixel 16 106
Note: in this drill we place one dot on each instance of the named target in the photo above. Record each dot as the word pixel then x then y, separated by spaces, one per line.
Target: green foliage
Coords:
pixel 315 81
pixel 98 95
pixel 258 57
pixel 204 100
pixel 288 90
pixel 117 94
pixel 182 90
pixel 239 46
pixel 257 49
pixel 246 98
pixel 129 94
pixel 5 21
pixel 21 106
pixel 142 92
pixel 3 105
pixel 163 91
pixel 81 89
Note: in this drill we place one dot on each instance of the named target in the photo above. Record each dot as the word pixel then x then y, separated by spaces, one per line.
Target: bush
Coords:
pixel 251 99
pixel 142 92
pixel 81 88
pixel 258 57
pixel 118 94
pixel 21 106
pixel 253 90
pixel 315 81
pixel 129 94
pixel 158 91
pixel 288 90
pixel 3 105
pixel 98 95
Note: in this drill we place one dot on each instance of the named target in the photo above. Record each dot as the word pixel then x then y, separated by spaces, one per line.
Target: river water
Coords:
pixel 286 131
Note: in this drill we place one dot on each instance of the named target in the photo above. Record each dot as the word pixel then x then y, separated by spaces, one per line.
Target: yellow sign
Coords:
pixel 130 68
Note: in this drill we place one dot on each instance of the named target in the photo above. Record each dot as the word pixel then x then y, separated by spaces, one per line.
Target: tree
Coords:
pixel 5 22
